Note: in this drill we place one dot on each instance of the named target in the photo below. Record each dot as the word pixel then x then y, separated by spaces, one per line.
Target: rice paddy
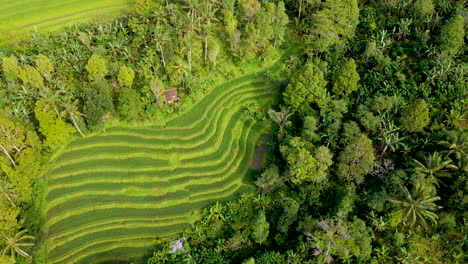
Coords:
pixel 110 195
pixel 53 14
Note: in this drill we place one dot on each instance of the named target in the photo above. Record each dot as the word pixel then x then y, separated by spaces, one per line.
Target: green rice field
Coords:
pixel 110 195
pixel 53 14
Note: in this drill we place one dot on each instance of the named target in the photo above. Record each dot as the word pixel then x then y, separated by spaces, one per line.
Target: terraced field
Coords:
pixel 111 194
pixel 51 14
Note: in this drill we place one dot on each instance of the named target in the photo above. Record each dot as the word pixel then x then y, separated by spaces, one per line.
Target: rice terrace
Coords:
pixel 111 194
pixel 52 14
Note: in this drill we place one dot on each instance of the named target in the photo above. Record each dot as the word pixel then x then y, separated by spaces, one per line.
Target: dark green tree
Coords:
pixel 269 181
pixel 129 105
pixel 97 102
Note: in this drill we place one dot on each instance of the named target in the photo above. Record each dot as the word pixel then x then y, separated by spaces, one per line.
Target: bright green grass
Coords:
pixel 53 14
pixel 109 195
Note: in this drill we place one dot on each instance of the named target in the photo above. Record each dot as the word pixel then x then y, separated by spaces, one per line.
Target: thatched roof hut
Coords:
pixel 172 96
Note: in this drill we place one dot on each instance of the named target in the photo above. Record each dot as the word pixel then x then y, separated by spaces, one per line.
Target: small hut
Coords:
pixel 172 96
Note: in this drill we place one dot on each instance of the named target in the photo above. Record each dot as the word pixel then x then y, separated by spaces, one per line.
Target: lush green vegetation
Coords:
pixel 50 15
pixel 368 158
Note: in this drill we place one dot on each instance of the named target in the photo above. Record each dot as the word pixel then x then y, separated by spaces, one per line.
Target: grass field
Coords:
pixel 53 14
pixel 111 194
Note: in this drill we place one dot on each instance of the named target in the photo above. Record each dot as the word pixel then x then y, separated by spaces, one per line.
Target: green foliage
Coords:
pixel 260 228
pixel 289 216
pixel 415 207
pixel 337 239
pixel 309 130
pixel 433 167
pixel 307 86
pixel 452 36
pixel 15 137
pixel 301 163
pixel 323 159
pixel 97 102
pixel 269 181
pixel 54 129
pixel 126 76
pixel 423 8
pixel 97 68
pixel 129 105
pixel 31 77
pixel 415 116
pixel 346 79
pixel 11 69
pixel 44 66
pixel 356 160
pixel 328 28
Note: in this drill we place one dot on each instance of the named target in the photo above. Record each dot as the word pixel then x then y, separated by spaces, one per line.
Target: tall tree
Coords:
pixel 260 228
pixel 346 79
pixel 97 102
pixel 161 38
pixel 415 116
pixel 125 76
pixel 333 22
pixel 356 160
pixel 307 86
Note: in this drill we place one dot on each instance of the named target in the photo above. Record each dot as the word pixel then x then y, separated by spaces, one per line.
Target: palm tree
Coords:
pixel 191 6
pixel 52 98
pixel 456 143
pixel 161 37
pixel 281 118
pixel 433 167
pixel 15 243
pixel 206 32
pixel 190 46
pixel 7 191
pixel 416 206
pixel 71 110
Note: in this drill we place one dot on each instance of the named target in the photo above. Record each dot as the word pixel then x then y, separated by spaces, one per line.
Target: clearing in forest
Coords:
pixel 111 194
pixel 53 14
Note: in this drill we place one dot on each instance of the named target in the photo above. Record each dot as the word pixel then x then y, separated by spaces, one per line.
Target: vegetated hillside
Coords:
pixel 110 195
pixel 49 15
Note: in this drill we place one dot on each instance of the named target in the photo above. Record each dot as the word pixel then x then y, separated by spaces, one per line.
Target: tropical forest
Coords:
pixel 233 131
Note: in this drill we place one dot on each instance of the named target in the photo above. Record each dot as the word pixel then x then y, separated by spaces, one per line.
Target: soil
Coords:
pixel 259 154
